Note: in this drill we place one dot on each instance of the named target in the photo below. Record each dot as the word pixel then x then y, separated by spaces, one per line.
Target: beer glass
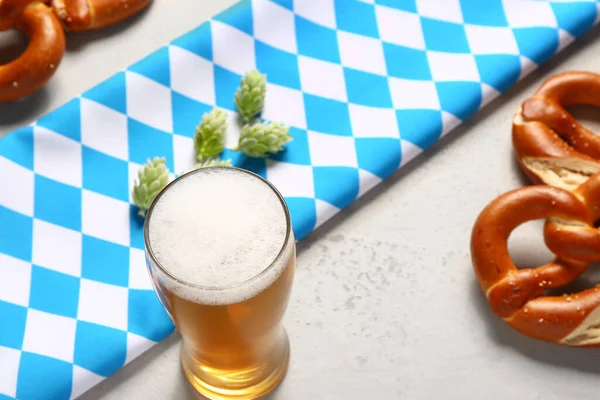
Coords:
pixel 221 254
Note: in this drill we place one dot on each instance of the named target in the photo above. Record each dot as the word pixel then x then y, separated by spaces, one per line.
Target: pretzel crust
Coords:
pixel 81 15
pixel 560 157
pixel 517 295
pixel 32 69
pixel 543 130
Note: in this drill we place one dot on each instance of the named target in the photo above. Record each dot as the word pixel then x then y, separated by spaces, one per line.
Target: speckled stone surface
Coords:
pixel 384 303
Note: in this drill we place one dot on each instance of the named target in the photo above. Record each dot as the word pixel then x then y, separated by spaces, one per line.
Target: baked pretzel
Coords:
pixel 81 15
pixel 44 22
pixel 551 146
pixel 560 156
pixel 32 69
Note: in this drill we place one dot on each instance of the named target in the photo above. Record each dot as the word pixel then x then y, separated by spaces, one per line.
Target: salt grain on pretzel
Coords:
pixel 560 156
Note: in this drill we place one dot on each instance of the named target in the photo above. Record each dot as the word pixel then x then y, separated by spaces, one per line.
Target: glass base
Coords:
pixel 238 384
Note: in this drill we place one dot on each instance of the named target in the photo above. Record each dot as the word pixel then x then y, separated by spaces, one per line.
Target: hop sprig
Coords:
pixel 259 139
pixel 153 177
pixel 209 139
pixel 250 96
pixel 214 162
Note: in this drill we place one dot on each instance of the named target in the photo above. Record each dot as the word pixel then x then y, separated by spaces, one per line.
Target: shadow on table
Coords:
pixel 584 360
pixel 12 44
pixel 106 388
pixel 26 109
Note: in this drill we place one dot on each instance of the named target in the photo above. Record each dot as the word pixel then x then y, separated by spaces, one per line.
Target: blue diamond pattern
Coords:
pixel 316 41
pixel 112 267
pixel 326 115
pixel 486 13
pixel 404 5
pixel 57 203
pixel 368 153
pixel 489 64
pixel 111 93
pixel 444 36
pixel 238 16
pixel 225 92
pixel 105 174
pixel 45 284
pixel 91 356
pixel 396 56
pixel 18 147
pixel 280 66
pixel 15 241
pixel 439 79
pixel 304 215
pixel 539 44
pixel 297 151
pixel 156 66
pixel 367 89
pixel 37 371
pixel 356 17
pixel 198 41
pixel 459 98
pixel 256 165
pixel 289 4
pixel 329 181
pixel 146 143
pixel 144 306
pixel 65 120
pixel 187 114
pixel 575 18
pixel 421 127
pixel 13 319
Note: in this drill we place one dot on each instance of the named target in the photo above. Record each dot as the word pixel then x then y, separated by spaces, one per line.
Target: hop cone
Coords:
pixel 213 162
pixel 209 139
pixel 250 96
pixel 153 178
pixel 259 139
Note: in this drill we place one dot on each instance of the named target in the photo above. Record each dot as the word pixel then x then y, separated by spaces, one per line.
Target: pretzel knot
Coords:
pixel 560 156
pixel 518 295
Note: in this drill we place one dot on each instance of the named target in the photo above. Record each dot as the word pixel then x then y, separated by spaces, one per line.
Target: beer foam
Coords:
pixel 219 228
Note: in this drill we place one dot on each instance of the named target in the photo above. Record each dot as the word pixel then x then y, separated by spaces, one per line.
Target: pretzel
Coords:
pixel 32 69
pixel 560 156
pixel 81 15
pixel 551 146
pixel 44 22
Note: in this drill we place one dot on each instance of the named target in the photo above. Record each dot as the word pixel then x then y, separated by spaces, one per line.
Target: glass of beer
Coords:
pixel 221 254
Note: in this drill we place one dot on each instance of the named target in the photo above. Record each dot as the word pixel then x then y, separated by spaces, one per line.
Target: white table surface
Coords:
pixel 384 304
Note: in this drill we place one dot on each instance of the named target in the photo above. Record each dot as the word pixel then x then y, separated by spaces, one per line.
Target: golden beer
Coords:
pixel 223 268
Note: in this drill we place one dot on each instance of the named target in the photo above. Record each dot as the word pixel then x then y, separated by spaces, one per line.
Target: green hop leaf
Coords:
pixel 209 139
pixel 153 177
pixel 250 96
pixel 215 162
pixel 259 139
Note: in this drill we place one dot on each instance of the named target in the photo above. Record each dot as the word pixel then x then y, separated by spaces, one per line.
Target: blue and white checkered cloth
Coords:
pixel 365 86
